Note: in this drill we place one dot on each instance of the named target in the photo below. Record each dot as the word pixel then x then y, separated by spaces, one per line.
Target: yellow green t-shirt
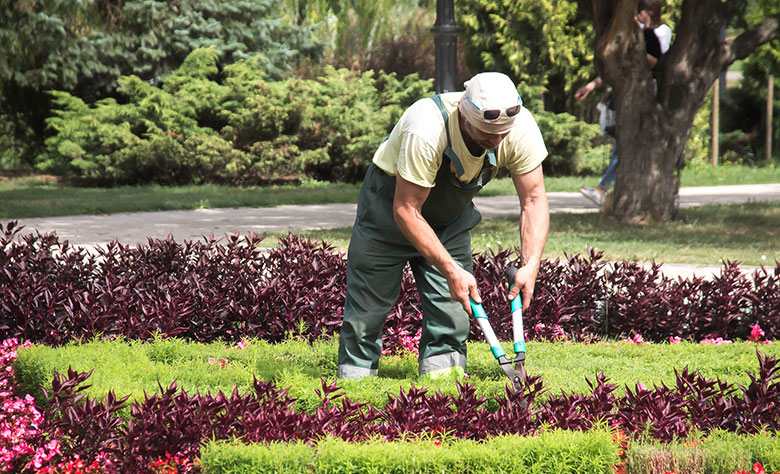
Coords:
pixel 416 145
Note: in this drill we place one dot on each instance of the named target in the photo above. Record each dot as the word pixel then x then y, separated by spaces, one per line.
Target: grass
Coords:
pixel 42 196
pixel 35 197
pixel 134 368
pixel 706 235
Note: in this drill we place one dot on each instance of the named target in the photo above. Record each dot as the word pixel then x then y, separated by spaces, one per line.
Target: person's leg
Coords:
pixel 373 285
pixel 609 175
pixel 375 261
pixel 597 194
pixel 445 326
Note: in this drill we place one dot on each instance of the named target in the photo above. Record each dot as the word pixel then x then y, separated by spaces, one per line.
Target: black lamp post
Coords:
pixel 445 32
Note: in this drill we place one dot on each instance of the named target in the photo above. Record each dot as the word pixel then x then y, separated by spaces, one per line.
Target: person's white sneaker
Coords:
pixel 593 195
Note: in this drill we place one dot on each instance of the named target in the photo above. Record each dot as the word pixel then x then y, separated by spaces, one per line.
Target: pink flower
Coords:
pixel 637 339
pixel 240 345
pixel 675 340
pixel 756 333
pixel 715 342
pixel 221 363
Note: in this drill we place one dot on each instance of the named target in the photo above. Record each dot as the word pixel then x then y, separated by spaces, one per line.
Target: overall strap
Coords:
pixel 448 152
pixel 491 157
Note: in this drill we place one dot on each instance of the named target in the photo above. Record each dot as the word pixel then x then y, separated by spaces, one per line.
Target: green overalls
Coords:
pixel 378 252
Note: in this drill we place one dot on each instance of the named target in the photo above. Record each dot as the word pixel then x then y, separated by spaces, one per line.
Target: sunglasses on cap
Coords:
pixel 493 114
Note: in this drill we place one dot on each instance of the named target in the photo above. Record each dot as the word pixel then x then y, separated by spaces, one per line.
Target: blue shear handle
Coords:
pixel 487 329
pixel 517 325
pixel 517 303
pixel 479 311
pixel 517 312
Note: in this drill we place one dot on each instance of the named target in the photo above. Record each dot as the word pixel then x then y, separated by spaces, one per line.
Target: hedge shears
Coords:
pixel 513 368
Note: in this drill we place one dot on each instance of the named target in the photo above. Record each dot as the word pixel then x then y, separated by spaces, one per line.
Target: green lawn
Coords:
pixel 38 197
pixel 707 235
pixel 135 367
pixel 35 198
pixel 745 233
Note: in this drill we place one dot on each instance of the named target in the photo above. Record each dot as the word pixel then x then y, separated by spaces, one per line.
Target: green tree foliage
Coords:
pixel 543 43
pixel 231 125
pixel 392 36
pixel 743 121
pixel 545 47
pixel 568 142
pixel 743 112
pixel 84 46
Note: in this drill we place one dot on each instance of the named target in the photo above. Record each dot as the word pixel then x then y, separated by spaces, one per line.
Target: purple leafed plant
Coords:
pixel 230 289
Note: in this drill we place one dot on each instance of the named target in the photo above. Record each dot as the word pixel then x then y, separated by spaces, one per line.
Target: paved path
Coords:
pixel 136 227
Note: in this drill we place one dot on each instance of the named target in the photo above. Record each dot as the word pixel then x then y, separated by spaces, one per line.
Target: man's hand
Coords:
pixel 525 280
pixel 643 19
pixel 462 286
pixel 585 90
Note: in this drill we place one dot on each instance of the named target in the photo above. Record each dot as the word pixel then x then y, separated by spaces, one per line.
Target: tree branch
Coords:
pixel 752 38
pixel 620 25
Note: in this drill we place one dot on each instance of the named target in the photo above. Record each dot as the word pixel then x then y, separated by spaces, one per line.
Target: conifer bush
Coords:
pixel 84 47
pixel 209 122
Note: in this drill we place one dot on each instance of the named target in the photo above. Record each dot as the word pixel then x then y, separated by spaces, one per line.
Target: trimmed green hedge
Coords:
pixel 557 452
pixel 719 453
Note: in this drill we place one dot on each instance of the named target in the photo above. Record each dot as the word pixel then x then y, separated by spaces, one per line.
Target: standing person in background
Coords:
pixel 658 38
pixel 416 206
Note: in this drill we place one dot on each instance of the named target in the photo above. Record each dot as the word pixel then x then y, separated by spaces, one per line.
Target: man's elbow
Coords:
pixel 536 200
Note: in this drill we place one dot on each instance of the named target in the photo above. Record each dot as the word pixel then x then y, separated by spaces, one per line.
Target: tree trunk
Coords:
pixel 770 89
pixel 648 147
pixel 654 117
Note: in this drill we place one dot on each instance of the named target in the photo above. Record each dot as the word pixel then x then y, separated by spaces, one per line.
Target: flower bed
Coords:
pixel 229 290
pixel 52 293
pixel 172 421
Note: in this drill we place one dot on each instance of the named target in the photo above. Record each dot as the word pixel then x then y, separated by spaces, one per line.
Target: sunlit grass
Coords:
pixel 747 233
pixel 30 198
pixel 42 196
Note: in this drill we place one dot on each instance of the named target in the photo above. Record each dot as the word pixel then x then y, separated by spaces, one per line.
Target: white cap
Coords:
pixel 485 91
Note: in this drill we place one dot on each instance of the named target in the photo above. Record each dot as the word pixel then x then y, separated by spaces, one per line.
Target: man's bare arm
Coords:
pixel 534 226
pixel 407 212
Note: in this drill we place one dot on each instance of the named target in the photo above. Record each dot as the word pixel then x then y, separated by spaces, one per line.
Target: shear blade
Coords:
pixel 515 376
